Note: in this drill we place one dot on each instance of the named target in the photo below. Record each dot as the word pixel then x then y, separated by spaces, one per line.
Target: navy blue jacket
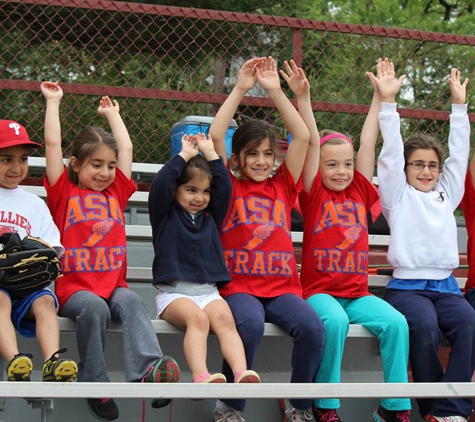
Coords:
pixel 188 250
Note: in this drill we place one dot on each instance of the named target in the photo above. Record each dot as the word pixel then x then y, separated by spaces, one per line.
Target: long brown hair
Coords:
pixel 88 142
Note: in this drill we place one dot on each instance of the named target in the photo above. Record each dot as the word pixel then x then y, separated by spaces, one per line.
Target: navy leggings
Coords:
pixel 296 317
pixel 433 316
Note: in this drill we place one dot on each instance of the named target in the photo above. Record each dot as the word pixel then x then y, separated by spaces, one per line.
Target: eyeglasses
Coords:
pixel 419 166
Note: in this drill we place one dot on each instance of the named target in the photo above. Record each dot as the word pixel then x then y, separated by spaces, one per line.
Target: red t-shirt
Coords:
pixel 335 240
pixel 257 240
pixel 468 207
pixel 92 227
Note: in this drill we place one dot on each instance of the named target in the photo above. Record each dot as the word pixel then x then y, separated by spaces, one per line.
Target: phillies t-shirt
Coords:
pixel 92 227
pixel 335 239
pixel 256 237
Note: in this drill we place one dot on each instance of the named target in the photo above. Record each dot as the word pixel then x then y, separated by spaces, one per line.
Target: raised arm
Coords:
pixel 366 157
pixel 111 111
pixel 52 131
pixel 298 83
pixel 246 80
pixel 268 78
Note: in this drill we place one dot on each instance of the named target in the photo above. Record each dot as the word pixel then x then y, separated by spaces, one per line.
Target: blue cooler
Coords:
pixel 192 125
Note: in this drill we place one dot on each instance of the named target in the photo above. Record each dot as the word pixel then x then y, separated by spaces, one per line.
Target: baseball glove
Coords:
pixel 26 265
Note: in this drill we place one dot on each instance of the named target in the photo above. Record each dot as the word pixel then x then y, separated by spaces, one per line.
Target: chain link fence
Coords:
pixel 163 63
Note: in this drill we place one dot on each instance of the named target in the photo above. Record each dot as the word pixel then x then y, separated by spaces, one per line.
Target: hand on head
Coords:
pixel 189 147
pixel 51 90
pixel 457 89
pixel 295 78
pixel 205 144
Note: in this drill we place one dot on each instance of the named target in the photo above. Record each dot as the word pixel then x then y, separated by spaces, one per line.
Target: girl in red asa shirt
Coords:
pixel 87 202
pixel 256 235
pixel 335 201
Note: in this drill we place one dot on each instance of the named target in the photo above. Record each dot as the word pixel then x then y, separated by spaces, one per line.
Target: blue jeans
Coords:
pixel 296 318
pixel 385 322
pixel 433 316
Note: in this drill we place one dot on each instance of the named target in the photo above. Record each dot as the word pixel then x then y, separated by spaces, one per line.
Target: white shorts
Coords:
pixel 163 299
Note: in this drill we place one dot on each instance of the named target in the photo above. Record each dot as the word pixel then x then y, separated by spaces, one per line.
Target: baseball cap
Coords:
pixel 13 133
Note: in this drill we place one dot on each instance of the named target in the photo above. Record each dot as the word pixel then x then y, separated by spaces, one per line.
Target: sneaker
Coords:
pixel 229 415
pixel 325 415
pixel 207 378
pixel 383 415
pixel 20 367
pixel 248 376
pixel 164 370
pixel 103 409
pixel 291 414
pixel 432 418
pixel 62 370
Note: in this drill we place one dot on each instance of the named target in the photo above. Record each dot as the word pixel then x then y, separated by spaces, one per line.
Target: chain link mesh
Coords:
pixel 163 63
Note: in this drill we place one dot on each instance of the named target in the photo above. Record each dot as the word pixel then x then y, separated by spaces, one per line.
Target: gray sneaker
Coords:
pixel 291 414
pixel 229 415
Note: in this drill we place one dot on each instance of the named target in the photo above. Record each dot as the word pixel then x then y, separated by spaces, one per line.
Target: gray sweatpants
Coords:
pixel 93 315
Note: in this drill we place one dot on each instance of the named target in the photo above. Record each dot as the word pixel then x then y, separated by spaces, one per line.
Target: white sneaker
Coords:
pixel 431 418
pixel 229 415
pixel 291 414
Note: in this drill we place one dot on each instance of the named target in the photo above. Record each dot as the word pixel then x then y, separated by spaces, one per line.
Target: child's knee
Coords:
pixel 200 321
pixel 45 302
pixel 5 300
pixel 251 328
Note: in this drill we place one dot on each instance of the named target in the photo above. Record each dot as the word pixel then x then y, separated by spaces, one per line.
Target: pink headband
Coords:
pixel 333 136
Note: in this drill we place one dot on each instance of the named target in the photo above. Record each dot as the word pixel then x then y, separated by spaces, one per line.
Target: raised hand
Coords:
pixel 51 90
pixel 295 78
pixel 374 79
pixel 108 107
pixel 386 81
pixel 247 74
pixel 457 89
pixel 267 75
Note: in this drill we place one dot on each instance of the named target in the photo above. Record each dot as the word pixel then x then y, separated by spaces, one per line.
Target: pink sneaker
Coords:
pixel 248 376
pixel 206 377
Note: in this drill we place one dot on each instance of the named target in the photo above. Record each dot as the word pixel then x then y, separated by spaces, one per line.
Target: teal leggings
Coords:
pixel 379 317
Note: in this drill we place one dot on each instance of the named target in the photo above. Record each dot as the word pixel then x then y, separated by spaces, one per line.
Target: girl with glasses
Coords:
pixel 419 194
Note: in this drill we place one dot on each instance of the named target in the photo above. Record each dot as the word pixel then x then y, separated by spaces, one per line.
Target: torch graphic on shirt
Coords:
pixel 99 230
pixel 260 234
pixel 351 236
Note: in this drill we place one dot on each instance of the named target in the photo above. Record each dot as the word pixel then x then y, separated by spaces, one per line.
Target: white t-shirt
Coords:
pixel 28 215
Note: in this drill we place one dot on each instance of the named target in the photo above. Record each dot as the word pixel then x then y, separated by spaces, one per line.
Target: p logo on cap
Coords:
pixel 13 133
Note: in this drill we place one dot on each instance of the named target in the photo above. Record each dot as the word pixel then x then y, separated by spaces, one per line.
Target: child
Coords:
pixel 419 194
pixel 34 315
pixel 468 207
pixel 335 201
pixel 256 236
pixel 188 200
pixel 87 201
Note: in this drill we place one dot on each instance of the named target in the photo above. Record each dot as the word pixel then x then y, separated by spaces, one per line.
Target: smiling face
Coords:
pixel 13 165
pixel 98 170
pixel 256 162
pixel 195 194
pixel 336 166
pixel 423 180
